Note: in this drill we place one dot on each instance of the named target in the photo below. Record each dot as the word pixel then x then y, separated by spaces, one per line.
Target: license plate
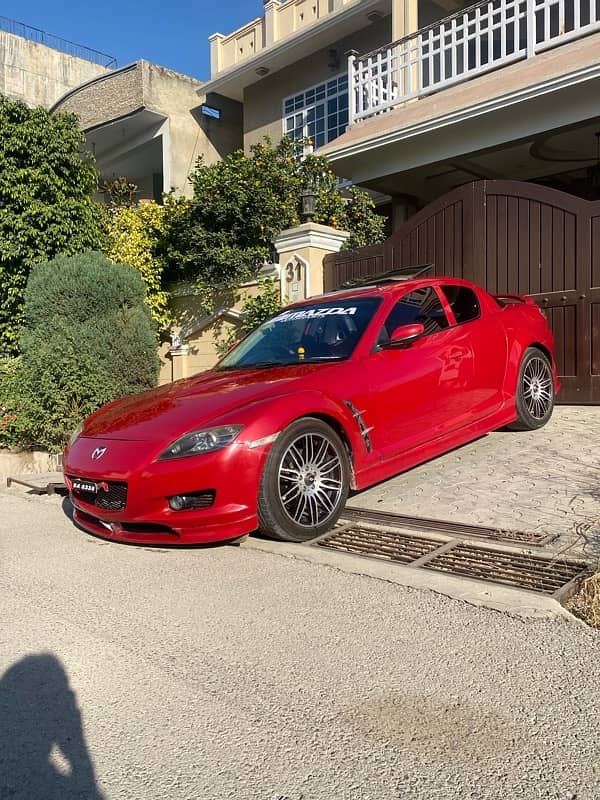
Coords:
pixel 85 486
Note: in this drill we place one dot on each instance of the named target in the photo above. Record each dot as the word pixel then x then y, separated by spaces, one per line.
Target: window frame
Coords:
pixel 443 306
pixel 442 289
pixel 299 104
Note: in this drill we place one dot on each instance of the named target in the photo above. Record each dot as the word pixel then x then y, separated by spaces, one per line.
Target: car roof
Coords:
pixel 385 288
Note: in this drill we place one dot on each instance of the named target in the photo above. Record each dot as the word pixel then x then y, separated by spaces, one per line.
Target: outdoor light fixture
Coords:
pixel 262 71
pixel 309 199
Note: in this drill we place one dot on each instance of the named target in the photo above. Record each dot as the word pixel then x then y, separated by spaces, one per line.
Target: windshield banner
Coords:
pixel 310 313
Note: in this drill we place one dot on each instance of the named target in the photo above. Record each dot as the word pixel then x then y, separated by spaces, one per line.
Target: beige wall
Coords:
pixel 201 353
pixel 176 96
pixel 37 74
pixel 201 345
pixel 144 87
pixel 263 102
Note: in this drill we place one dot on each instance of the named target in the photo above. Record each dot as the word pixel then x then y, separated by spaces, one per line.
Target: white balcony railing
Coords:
pixel 483 37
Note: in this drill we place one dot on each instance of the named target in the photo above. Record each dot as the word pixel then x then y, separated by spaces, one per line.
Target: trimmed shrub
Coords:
pixel 88 338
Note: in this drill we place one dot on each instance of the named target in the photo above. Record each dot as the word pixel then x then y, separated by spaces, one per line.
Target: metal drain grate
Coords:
pixel 454 529
pixel 390 545
pixel 555 576
pixel 521 570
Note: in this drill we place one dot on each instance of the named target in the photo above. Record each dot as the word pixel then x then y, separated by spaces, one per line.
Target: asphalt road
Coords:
pixel 233 673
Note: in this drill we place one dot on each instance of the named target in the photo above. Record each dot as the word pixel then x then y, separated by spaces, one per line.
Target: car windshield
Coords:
pixel 309 334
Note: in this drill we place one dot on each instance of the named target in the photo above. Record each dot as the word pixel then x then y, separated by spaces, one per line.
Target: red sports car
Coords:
pixel 334 393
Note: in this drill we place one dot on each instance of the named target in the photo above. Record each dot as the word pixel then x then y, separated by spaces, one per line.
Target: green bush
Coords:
pixel 136 235
pixel 88 338
pixel 9 436
pixel 47 183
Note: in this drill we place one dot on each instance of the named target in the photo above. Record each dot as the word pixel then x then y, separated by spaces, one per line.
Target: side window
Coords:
pixel 463 302
pixel 421 305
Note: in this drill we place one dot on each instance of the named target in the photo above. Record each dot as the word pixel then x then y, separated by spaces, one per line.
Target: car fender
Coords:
pixel 525 327
pixel 265 419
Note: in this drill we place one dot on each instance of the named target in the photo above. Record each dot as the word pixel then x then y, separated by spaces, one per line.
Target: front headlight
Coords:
pixel 198 442
pixel 75 435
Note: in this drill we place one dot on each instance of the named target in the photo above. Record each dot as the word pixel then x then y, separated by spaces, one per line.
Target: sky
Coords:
pixel 172 33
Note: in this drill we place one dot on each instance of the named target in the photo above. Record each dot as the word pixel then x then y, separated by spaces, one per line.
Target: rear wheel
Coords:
pixel 305 482
pixel 535 392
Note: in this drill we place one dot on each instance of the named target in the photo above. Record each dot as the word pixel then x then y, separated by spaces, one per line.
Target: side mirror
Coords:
pixel 405 335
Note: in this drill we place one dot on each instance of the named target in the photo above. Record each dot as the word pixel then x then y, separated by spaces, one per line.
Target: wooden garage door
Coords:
pixel 509 237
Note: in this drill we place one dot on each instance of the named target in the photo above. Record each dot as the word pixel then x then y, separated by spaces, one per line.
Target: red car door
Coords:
pixel 482 334
pixel 417 392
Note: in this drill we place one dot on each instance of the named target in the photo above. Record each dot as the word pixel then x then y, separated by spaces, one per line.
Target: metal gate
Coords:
pixel 509 237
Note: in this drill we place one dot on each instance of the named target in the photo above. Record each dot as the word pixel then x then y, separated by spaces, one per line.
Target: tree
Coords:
pixel 87 338
pixel 136 233
pixel 224 233
pixel 47 181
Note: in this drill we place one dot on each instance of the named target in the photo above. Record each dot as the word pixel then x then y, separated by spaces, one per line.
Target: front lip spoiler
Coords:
pixel 92 523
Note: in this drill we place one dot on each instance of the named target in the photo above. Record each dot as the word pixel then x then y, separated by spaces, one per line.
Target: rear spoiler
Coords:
pixel 504 299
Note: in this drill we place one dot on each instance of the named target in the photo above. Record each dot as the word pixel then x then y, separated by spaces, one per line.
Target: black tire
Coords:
pixel 535 392
pixel 305 482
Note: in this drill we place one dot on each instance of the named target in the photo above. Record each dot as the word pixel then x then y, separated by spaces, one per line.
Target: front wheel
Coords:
pixel 535 392
pixel 305 482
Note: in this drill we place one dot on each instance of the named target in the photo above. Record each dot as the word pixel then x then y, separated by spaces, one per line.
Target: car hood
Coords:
pixel 170 411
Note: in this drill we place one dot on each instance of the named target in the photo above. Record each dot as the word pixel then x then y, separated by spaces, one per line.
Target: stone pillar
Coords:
pixel 301 251
pixel 271 22
pixel 405 18
pixel 405 21
pixel 177 353
pixel 215 53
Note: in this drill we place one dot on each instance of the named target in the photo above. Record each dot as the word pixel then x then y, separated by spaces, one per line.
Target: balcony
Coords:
pixel 289 31
pixel 281 20
pixel 483 37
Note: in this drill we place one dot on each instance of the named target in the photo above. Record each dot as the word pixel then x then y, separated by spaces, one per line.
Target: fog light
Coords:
pixel 193 500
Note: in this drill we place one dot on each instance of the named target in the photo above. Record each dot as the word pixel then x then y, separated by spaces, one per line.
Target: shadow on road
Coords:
pixel 42 749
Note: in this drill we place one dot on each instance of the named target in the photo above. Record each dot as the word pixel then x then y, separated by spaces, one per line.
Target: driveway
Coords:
pixel 546 480
pixel 228 672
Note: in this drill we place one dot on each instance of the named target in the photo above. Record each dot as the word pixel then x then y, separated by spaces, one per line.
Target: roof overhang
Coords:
pixel 352 17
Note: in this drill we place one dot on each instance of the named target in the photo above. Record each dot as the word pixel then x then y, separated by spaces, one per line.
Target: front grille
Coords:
pixel 111 495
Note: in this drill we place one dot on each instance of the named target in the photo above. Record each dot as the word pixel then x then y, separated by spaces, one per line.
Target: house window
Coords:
pixel 319 113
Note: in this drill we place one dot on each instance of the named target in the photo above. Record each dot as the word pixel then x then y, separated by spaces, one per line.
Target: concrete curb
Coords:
pixel 514 602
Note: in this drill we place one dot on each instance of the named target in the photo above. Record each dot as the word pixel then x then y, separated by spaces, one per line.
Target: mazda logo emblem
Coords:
pixel 98 453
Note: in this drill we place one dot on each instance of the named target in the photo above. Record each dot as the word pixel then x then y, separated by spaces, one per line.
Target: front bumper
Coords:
pixel 233 474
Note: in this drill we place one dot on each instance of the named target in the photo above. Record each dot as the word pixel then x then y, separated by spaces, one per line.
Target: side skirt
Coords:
pixel 382 470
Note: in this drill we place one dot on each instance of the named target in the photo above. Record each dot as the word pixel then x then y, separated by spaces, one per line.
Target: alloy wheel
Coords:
pixel 310 480
pixel 537 388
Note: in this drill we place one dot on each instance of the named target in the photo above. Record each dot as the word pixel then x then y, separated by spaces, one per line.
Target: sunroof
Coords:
pixel 402 274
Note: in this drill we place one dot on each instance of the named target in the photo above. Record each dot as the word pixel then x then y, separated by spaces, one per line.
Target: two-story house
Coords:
pixel 469 118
